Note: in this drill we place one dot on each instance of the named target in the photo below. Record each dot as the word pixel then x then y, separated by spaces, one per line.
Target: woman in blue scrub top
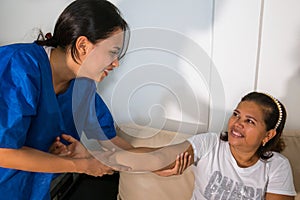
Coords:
pixel 47 93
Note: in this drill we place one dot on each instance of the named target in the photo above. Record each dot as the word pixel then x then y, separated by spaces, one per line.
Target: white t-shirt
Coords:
pixel 217 175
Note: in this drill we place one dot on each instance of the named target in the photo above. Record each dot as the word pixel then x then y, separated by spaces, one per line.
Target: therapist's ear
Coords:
pixel 82 46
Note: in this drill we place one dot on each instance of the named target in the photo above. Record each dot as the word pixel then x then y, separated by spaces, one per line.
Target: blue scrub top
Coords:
pixel 31 114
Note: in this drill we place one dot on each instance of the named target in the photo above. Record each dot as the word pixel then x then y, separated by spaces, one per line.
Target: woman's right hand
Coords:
pixel 183 161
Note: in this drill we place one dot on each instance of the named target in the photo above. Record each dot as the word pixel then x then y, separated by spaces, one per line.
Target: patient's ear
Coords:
pixel 270 134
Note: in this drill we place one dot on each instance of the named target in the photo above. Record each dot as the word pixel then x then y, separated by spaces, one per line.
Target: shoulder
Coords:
pixel 280 176
pixel 20 70
pixel 278 160
pixel 278 165
pixel 278 157
pixel 204 137
pixel 203 143
pixel 23 57
pixel 23 48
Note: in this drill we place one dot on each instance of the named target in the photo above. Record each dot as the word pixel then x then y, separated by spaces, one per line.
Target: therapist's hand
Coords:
pixel 74 149
pixel 58 148
pixel 93 167
pixel 107 158
pixel 95 163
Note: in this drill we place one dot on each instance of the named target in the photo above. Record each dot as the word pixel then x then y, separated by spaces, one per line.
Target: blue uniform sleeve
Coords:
pixel 105 118
pixel 19 92
pixel 99 124
pixel 91 115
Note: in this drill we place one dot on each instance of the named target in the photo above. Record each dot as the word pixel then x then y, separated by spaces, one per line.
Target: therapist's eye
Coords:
pixel 114 53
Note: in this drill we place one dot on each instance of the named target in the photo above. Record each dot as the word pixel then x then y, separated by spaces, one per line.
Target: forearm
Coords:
pixel 117 143
pixel 139 161
pixel 271 196
pixel 33 160
pixel 152 159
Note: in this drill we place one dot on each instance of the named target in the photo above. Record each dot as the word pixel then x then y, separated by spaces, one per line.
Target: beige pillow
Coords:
pixel 149 186
pixel 292 150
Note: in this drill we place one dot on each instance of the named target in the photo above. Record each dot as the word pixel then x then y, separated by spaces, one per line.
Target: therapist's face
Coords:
pixel 103 57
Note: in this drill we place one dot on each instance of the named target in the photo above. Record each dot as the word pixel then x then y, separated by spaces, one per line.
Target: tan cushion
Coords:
pixel 141 136
pixel 292 152
pixel 149 186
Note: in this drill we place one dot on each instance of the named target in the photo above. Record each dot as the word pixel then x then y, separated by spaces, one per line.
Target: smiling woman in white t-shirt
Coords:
pixel 242 163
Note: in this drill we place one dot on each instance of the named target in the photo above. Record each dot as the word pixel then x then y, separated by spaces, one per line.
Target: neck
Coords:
pixel 62 73
pixel 243 158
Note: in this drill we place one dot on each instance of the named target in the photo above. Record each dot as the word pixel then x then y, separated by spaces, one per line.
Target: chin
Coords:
pixel 100 79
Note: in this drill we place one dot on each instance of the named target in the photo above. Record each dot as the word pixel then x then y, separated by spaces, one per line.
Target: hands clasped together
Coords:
pixel 103 162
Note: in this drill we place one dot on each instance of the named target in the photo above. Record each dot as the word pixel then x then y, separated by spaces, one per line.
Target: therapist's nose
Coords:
pixel 115 63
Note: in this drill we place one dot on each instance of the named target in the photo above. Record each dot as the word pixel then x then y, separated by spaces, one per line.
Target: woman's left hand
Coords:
pixel 183 161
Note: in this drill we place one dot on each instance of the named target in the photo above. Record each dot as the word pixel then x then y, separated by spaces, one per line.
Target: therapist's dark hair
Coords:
pixel 95 19
pixel 271 116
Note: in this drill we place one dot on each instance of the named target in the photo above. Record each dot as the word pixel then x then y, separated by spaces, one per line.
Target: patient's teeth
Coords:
pixel 236 134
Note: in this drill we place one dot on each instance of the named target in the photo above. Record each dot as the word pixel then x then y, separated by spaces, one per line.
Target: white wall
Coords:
pixel 164 81
pixel 279 67
pixel 235 42
pixel 189 62
pixel 20 20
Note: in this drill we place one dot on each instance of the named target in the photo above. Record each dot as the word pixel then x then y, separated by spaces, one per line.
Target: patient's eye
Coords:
pixel 235 114
pixel 250 121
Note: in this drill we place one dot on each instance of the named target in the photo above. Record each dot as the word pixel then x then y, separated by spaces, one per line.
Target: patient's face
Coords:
pixel 246 127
